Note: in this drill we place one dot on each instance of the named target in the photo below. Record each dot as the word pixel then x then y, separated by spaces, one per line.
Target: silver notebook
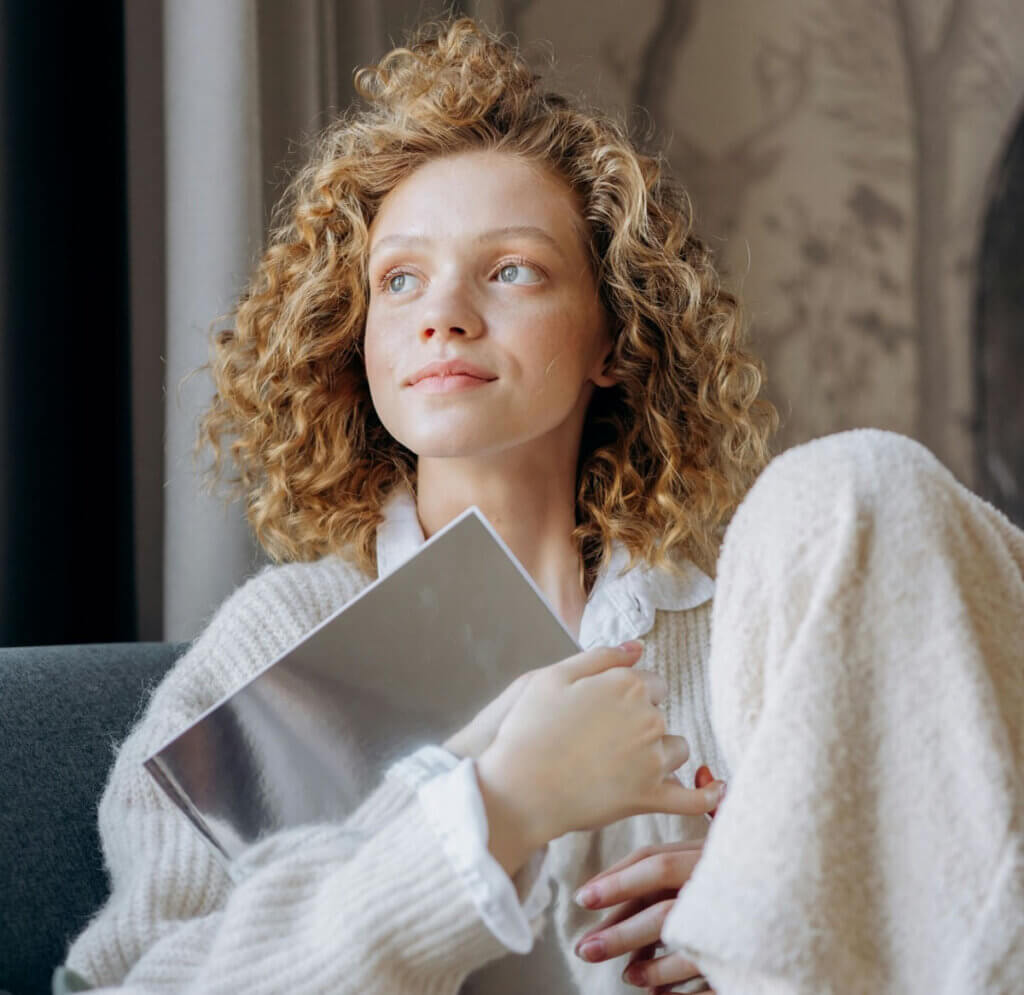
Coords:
pixel 408 661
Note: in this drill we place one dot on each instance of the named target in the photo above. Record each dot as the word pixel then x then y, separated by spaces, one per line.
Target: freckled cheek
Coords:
pixel 380 360
pixel 554 353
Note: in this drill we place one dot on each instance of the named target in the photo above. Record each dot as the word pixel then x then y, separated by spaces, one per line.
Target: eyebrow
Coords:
pixel 529 231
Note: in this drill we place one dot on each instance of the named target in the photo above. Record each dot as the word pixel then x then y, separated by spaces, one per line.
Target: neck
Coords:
pixel 530 507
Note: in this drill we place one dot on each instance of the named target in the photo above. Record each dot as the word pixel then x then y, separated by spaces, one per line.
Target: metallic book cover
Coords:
pixel 408 661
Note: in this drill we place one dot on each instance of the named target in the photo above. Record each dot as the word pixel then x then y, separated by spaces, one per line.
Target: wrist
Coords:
pixel 514 831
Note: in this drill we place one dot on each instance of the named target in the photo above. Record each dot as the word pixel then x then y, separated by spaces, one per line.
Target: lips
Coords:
pixel 450 368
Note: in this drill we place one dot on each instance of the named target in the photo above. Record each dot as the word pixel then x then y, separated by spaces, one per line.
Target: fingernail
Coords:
pixel 714 793
pixel 587 897
pixel 591 950
pixel 633 646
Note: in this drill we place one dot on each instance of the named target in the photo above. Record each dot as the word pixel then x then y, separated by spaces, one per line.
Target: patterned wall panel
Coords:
pixel 839 154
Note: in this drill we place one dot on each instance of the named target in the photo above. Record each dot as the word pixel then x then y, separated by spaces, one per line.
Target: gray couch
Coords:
pixel 62 711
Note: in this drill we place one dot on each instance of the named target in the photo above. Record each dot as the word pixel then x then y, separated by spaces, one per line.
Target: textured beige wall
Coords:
pixel 837 152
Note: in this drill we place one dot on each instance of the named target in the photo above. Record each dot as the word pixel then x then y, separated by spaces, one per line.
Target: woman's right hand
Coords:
pixel 583 745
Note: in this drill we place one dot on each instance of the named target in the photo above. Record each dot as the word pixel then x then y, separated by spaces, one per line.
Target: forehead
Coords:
pixel 464 194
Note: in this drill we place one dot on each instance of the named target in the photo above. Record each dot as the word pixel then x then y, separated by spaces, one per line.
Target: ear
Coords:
pixel 599 376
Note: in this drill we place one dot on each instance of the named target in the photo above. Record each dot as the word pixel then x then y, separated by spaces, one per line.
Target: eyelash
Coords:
pixel 382 283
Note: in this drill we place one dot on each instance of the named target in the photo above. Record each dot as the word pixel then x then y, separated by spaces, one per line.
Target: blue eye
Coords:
pixel 510 271
pixel 397 282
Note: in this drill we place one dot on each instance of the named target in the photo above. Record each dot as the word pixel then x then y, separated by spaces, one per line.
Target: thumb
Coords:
pixel 600 659
pixel 671 797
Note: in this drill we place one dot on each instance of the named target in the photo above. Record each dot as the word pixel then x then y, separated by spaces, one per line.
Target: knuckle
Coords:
pixel 625 679
pixel 617 684
pixel 653 727
pixel 664 865
pixel 660 973
pixel 657 683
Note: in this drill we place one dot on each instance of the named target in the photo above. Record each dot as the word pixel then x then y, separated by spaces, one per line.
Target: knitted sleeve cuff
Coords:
pixel 396 790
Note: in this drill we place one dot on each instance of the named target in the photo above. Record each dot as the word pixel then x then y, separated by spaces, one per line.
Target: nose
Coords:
pixel 451 314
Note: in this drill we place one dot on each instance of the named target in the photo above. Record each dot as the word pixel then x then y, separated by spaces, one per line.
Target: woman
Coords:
pixel 464 215
pixel 594 399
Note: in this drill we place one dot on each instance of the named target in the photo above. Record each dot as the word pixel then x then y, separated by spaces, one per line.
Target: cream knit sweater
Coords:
pixel 301 915
pixel 867 688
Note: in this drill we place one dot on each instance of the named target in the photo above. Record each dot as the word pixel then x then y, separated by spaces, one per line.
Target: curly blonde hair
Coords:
pixel 666 454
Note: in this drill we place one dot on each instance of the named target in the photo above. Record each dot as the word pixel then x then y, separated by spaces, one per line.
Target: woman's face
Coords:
pixel 480 257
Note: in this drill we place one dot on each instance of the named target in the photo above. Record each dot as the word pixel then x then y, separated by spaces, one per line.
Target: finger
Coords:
pixel 628 909
pixel 641 956
pixel 600 659
pixel 672 970
pixel 642 853
pixel 656 873
pixel 639 930
pixel 698 983
pixel 675 751
pixel 670 796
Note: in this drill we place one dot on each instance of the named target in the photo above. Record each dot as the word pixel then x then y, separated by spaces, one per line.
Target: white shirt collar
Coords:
pixel 620 606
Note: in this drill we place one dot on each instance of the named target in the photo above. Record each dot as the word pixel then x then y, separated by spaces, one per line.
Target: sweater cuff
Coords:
pixel 455 811
pixel 417 768
pixel 424 905
pixel 396 790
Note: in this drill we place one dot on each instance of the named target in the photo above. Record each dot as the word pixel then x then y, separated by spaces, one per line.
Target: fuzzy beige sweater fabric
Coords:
pixel 301 914
pixel 867 683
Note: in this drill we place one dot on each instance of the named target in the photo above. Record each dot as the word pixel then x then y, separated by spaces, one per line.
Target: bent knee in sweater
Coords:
pixel 866 472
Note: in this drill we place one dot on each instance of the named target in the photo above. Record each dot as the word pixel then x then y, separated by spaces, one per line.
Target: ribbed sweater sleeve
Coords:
pixel 306 913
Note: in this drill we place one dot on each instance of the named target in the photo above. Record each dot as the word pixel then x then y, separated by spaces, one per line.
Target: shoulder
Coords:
pixel 303 593
pixel 267 614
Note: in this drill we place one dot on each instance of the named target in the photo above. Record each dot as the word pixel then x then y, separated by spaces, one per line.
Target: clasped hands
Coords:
pixel 595 713
pixel 644 885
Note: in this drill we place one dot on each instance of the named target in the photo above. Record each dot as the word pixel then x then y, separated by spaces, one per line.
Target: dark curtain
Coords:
pixel 66 533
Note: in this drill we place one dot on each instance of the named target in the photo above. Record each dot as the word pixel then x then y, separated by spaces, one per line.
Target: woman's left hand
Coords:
pixel 647 882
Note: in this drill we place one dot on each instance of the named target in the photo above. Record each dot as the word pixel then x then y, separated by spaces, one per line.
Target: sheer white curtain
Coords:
pixel 214 203
pixel 245 84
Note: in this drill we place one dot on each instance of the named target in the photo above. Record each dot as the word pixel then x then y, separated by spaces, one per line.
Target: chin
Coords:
pixel 451 449
pixel 454 440
pixel 443 433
